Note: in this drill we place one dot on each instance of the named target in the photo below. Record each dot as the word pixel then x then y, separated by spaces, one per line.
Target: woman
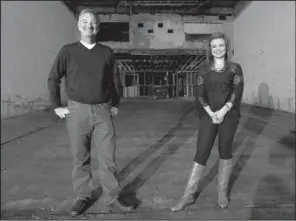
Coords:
pixel 219 93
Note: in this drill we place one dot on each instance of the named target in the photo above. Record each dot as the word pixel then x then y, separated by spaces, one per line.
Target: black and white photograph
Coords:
pixel 148 110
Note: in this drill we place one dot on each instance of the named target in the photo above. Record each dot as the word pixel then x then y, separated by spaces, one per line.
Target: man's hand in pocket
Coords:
pixel 61 111
pixel 114 111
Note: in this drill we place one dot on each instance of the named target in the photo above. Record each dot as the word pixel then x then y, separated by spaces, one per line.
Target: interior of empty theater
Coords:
pixel 159 48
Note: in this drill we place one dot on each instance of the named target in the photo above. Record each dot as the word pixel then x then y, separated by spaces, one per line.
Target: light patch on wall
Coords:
pixel 19 70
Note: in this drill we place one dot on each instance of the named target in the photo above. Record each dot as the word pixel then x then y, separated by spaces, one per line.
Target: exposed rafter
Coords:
pixel 159 63
pixel 161 10
pixel 200 6
pixel 158 3
pixel 72 6
pixel 185 7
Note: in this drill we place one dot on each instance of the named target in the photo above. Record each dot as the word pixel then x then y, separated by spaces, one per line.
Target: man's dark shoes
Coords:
pixel 119 204
pixel 79 206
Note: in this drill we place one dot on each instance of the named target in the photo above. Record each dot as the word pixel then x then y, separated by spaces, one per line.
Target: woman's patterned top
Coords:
pixel 215 88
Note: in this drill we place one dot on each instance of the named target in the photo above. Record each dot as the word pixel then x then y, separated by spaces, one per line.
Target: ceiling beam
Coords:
pixel 239 7
pixel 163 63
pixel 221 10
pixel 94 3
pixel 199 6
pixel 139 53
pixel 183 66
pixel 71 6
pixel 126 10
pixel 159 3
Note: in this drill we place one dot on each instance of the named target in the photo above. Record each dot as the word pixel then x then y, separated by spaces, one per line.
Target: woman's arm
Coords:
pixel 238 87
pixel 200 94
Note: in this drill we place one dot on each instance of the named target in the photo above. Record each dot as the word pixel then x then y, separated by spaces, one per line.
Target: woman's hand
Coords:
pixel 218 116
pixel 216 119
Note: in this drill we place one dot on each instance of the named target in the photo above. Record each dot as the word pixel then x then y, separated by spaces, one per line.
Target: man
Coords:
pixel 92 86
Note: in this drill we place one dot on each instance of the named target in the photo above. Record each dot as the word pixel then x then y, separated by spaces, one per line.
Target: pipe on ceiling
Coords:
pixel 135 10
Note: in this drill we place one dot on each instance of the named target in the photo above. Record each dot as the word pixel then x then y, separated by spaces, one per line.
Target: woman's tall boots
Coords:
pixel 193 183
pixel 224 172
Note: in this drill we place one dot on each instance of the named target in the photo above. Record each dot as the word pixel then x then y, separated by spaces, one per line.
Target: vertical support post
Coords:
pixel 145 83
pixel 187 84
pixel 174 85
pixel 177 85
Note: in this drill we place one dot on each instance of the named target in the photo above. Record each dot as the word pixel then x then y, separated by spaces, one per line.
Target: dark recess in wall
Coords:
pixel 196 37
pixel 113 31
pixel 222 17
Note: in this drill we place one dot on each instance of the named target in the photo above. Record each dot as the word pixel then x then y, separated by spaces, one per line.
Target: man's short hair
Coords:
pixel 88 10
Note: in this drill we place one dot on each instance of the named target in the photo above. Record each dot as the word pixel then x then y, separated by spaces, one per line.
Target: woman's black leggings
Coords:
pixel 207 132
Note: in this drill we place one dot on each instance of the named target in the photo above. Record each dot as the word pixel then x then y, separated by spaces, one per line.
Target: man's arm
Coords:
pixel 116 87
pixel 57 72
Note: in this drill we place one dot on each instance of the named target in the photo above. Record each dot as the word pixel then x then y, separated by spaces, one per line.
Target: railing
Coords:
pixel 152 91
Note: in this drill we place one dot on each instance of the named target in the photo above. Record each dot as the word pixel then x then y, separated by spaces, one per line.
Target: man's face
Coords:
pixel 88 25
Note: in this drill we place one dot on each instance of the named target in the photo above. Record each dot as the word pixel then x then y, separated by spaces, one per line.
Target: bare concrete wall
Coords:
pixel 32 32
pixel 264 44
pixel 205 28
pixel 160 38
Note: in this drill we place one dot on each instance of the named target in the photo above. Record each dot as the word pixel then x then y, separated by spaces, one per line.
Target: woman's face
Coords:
pixel 218 48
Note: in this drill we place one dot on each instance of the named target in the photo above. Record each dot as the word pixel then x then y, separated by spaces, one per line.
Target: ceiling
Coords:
pixel 150 60
pixel 185 7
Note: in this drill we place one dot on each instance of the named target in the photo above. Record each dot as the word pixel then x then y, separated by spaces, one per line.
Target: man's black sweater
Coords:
pixel 91 75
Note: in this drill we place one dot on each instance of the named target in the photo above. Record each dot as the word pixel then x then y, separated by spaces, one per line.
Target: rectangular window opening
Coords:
pixel 197 37
pixel 113 31
pixel 222 17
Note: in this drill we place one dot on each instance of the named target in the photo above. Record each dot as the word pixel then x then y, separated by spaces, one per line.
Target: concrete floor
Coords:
pixel 156 142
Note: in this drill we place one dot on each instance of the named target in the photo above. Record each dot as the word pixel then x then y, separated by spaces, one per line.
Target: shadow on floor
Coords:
pixel 273 198
pixel 256 127
pixel 129 191
pixel 251 125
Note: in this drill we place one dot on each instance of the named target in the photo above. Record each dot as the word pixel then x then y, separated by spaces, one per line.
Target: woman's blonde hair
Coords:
pixel 217 35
